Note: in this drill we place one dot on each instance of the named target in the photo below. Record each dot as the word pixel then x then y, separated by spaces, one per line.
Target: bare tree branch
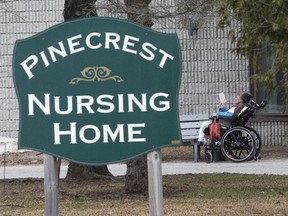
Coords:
pixel 157 11
pixel 6 8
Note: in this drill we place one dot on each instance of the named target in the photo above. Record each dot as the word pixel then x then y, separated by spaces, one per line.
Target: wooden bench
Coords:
pixel 190 125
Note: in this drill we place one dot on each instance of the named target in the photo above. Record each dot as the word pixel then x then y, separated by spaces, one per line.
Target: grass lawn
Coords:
pixel 199 194
pixel 191 194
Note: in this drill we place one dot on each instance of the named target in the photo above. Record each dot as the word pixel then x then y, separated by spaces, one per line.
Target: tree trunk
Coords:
pixel 80 172
pixel 137 171
pixel 136 179
pixel 138 11
pixel 74 9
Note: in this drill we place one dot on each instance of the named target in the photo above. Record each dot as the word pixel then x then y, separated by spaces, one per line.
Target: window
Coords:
pixel 276 105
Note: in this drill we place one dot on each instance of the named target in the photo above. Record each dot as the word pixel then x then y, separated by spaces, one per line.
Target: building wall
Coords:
pixel 209 66
pixel 18 20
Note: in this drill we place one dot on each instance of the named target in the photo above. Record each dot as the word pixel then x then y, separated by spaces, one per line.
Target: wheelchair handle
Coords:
pixel 256 106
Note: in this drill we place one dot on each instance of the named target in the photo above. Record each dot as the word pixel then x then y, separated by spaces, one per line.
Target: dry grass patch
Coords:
pixel 201 194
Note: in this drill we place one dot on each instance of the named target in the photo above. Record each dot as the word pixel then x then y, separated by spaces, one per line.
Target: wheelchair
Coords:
pixel 238 142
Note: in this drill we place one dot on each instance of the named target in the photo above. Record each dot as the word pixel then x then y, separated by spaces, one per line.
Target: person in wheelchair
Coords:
pixel 233 138
pixel 236 110
pixel 228 115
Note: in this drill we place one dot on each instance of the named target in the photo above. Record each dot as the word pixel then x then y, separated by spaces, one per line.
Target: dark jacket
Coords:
pixel 240 107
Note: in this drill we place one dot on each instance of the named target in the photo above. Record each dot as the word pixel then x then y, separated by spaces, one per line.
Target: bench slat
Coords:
pixel 190 132
pixel 189 118
pixel 191 137
pixel 187 125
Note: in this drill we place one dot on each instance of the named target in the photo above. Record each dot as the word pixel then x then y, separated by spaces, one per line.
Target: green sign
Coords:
pixel 98 90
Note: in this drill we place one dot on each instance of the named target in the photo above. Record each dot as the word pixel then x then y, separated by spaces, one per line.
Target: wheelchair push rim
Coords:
pixel 238 144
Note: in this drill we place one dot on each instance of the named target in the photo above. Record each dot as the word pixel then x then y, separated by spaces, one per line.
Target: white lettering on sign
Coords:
pixel 71 132
pixel 119 131
pixel 30 62
pixel 72 43
pixel 80 43
pixel 102 134
pixel 69 108
pixel 105 103
pixel 53 51
pixel 146 48
pixel 32 99
pixel 132 132
pixel 88 40
pixel 86 104
pixel 128 43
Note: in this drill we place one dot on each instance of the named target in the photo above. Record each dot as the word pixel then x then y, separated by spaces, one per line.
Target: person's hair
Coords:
pixel 238 94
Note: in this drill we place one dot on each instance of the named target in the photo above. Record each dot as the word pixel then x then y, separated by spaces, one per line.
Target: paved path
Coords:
pixel 275 167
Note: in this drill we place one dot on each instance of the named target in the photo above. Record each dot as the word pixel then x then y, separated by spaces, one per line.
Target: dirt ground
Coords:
pixel 168 154
pixel 22 158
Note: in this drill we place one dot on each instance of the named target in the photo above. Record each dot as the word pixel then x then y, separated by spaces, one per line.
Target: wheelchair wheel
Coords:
pixel 208 157
pixel 238 144
pixel 258 142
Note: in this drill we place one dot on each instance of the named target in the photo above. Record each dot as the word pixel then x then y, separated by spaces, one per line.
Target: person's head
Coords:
pixel 246 97
pixel 238 99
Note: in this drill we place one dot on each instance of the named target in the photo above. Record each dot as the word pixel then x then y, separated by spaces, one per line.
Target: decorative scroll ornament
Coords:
pixel 90 74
